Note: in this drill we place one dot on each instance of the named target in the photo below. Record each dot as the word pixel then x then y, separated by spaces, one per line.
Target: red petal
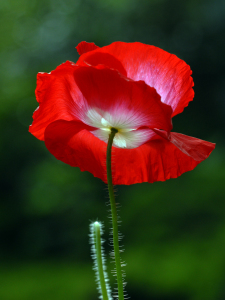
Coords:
pixel 168 74
pixel 157 160
pixel 109 91
pixel 97 57
pixel 195 148
pixel 72 143
pixel 56 93
pixel 84 47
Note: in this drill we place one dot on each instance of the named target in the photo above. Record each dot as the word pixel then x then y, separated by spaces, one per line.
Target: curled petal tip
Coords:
pixel 85 47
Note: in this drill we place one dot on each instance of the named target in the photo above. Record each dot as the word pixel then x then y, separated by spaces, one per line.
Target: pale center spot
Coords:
pixel 105 123
pixel 127 124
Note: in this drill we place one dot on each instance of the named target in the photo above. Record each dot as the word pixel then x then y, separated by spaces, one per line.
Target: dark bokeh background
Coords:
pixel 175 230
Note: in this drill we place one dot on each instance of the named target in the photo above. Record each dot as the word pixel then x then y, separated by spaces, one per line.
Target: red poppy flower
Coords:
pixel 133 87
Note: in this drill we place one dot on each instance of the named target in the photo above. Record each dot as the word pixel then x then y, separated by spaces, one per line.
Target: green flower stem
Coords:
pixel 114 216
pixel 99 260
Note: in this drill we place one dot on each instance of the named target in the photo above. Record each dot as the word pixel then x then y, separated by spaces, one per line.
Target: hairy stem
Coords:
pixel 114 216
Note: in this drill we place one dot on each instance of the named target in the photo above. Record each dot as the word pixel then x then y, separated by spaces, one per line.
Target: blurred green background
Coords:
pixel 174 232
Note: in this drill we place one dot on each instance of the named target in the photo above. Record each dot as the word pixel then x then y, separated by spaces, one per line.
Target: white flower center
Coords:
pixel 126 123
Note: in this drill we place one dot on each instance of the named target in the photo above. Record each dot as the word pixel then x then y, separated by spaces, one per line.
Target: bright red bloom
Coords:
pixel 135 88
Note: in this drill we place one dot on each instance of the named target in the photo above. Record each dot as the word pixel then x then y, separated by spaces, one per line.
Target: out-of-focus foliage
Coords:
pixel 175 230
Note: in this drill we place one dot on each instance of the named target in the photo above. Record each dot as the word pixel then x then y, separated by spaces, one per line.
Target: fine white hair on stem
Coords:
pixel 97 254
pixel 112 254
